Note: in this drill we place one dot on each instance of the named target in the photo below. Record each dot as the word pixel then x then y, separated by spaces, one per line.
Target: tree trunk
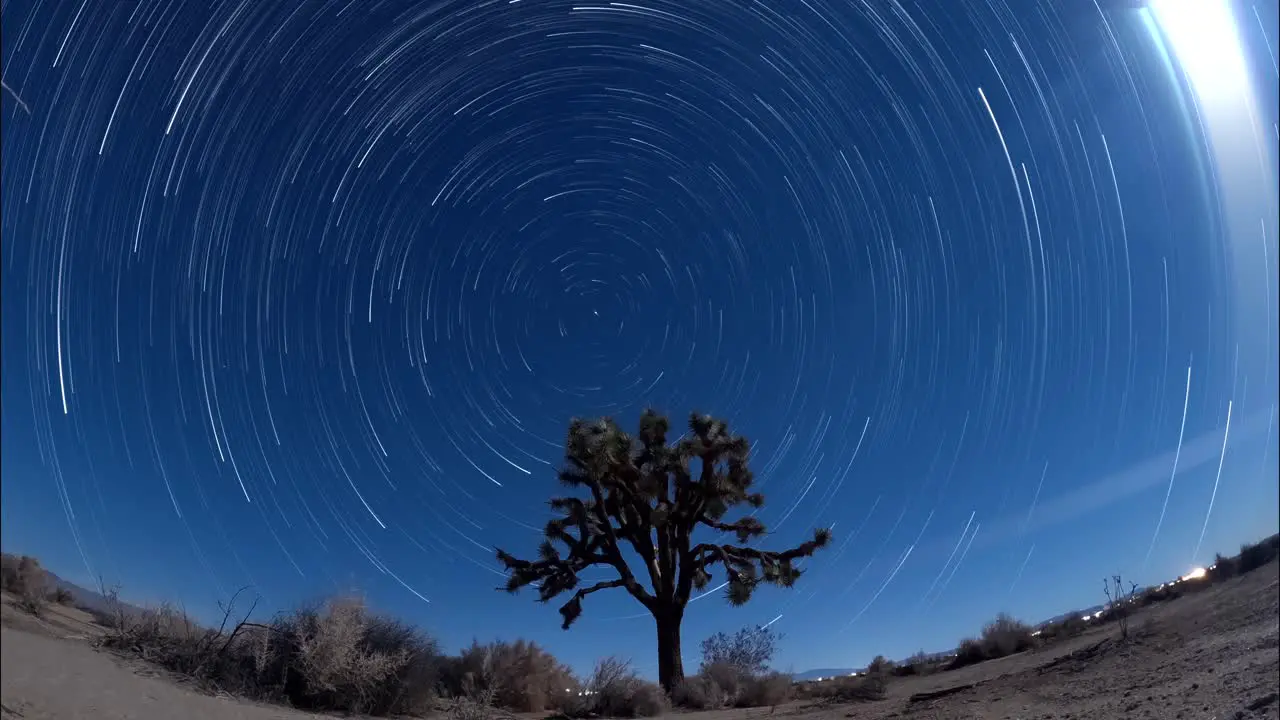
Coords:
pixel 670 662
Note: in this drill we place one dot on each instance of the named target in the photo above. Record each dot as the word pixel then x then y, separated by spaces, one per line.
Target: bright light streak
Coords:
pixel 1203 34
pixel 1204 41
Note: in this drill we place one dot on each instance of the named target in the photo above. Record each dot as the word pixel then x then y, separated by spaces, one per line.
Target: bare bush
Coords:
pixel 734 672
pixel 532 679
pixel 765 690
pixel 335 656
pixel 1003 636
pixel 699 693
pixel 9 572
pixel 26 580
pixel 1223 568
pixel 479 687
pixel 848 688
pixel 61 596
pixel 328 650
pixel 1006 635
pixel 970 651
pixel 720 684
pixel 610 685
pixel 616 691
pixel 1119 602
pixel 880 666
pixel 921 663
pixel 648 700
pixel 1251 557
pixel 749 650
pixel 727 678
pixel 464 708
pixel 1255 555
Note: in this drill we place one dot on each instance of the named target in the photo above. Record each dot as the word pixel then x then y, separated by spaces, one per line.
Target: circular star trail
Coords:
pixel 296 293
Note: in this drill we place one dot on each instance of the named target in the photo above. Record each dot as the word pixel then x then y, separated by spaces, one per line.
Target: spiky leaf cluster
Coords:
pixel 641 492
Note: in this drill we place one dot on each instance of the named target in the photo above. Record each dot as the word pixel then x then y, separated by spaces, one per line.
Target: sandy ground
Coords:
pixel 1213 655
pixel 48 671
pixel 1207 656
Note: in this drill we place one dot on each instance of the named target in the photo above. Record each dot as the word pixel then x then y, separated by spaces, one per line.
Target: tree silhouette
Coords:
pixel 644 495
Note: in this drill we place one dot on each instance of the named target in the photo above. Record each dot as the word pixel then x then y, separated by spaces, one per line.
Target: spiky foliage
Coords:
pixel 642 492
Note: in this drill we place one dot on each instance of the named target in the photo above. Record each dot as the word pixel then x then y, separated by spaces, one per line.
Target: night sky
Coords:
pixel 302 296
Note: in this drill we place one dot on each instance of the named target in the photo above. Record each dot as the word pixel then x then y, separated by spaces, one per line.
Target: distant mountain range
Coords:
pixel 84 598
pixel 833 672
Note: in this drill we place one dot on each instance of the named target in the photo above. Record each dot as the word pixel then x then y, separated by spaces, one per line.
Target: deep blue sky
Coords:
pixel 302 296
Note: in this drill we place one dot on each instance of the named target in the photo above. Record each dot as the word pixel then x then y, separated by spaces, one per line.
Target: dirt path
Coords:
pixel 46 678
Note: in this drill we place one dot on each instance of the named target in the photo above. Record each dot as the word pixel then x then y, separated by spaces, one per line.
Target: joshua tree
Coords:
pixel 643 494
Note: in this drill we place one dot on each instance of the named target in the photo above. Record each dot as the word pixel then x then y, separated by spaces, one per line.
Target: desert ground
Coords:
pixel 1210 655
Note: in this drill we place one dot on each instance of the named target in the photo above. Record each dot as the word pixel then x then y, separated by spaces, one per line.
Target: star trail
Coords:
pixel 301 295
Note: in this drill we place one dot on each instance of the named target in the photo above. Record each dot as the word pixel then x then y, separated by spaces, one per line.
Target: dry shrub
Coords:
pixel 479 687
pixel 343 659
pixel 881 666
pixel 722 684
pixel 749 650
pixel 735 673
pixel 10 577
pixel 25 579
pixel 970 652
pixel 1223 568
pixel 1254 556
pixel 648 700
pixel 468 709
pixel 921 663
pixel 532 680
pixel 462 672
pixel 337 656
pixel 165 636
pixel 1251 557
pixel 848 688
pixel 1120 602
pixel 614 690
pixel 1006 635
pixel 61 596
pixel 729 679
pixel 1003 636
pixel 765 690
pixel 1073 625
pixel 610 686
pixel 698 693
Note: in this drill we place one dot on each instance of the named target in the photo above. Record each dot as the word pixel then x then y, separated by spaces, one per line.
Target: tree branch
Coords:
pixel 741 564
pixel 613 552
pixel 16 97
pixel 745 528
pixel 805 549
pixel 572 609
